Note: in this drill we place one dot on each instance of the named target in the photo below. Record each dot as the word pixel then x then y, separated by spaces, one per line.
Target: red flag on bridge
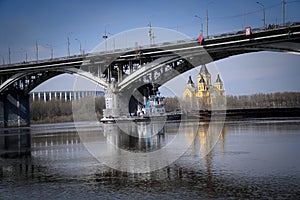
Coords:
pixel 200 38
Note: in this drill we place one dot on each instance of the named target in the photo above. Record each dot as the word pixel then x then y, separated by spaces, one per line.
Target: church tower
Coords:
pixel 219 85
pixel 190 82
pixel 205 74
pixel 189 91
pixel 201 84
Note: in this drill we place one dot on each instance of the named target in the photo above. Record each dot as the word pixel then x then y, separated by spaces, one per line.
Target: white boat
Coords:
pixel 154 106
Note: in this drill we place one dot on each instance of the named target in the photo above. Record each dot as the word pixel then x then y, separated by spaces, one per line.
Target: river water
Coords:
pixel 247 159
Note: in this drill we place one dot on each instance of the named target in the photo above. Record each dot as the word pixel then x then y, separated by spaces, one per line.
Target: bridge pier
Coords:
pixel 14 109
pixel 115 102
pixel 124 103
pixel 15 139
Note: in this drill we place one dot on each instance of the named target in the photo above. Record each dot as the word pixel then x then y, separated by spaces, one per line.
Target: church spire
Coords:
pixel 202 80
pixel 218 79
pixel 201 84
pixel 205 74
pixel 190 81
pixel 219 83
pixel 203 70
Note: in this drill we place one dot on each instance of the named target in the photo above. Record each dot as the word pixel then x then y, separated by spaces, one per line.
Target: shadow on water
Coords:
pixel 15 142
pixel 61 167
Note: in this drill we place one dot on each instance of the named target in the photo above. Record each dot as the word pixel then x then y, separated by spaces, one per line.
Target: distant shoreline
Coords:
pixel 264 112
pixel 254 113
pixel 231 114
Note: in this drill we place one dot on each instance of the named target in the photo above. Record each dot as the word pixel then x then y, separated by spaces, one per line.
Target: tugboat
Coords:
pixel 153 107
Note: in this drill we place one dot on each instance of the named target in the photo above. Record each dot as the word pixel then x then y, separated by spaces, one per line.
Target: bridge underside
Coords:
pixel 14 109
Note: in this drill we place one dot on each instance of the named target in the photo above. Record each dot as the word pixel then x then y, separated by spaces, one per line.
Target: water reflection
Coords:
pixel 200 138
pixel 143 147
pixel 203 136
pixel 141 137
pixel 134 147
pixel 15 142
pixel 56 145
pixel 242 164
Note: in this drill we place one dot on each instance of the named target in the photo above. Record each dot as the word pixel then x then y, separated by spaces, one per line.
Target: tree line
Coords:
pixel 61 111
pixel 261 100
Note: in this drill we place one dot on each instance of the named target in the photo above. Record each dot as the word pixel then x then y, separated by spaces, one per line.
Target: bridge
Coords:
pixel 126 74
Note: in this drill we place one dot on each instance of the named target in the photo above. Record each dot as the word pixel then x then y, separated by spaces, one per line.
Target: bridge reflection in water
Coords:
pixel 60 151
pixel 15 142
pixel 131 137
pixel 143 137
pixel 250 160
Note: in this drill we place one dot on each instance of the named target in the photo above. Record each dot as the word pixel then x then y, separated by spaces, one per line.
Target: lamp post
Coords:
pixel 105 38
pixel 68 43
pixel 210 2
pixel 264 13
pixel 201 30
pixel 9 59
pixel 51 48
pixel 3 62
pixel 283 12
pixel 37 51
pixel 206 23
pixel 25 54
pixel 68 46
pixel 80 49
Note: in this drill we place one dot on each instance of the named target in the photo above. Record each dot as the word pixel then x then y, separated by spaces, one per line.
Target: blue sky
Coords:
pixel 50 23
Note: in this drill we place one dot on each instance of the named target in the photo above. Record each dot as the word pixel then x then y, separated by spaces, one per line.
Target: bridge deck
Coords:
pixel 288 33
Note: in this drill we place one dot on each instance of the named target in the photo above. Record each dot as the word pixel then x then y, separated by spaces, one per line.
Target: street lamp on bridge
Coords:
pixel 25 54
pixel 9 60
pixel 201 30
pixel 283 12
pixel 80 49
pixel 264 13
pixel 37 51
pixel 210 2
pixel 3 62
pixel 51 48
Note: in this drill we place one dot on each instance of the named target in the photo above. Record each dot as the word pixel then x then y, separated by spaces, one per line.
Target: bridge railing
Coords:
pixel 269 27
pixel 164 44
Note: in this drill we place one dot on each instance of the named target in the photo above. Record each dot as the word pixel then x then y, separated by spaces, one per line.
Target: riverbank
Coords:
pixel 244 114
pixel 50 120
pixel 205 115
pixel 263 113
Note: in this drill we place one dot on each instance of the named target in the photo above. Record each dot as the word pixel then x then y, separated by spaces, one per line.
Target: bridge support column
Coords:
pixel 116 103
pixel 15 139
pixel 14 110
pixel 120 73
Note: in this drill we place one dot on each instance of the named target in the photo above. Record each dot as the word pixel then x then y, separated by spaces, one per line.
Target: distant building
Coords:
pixel 204 94
pixel 63 95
